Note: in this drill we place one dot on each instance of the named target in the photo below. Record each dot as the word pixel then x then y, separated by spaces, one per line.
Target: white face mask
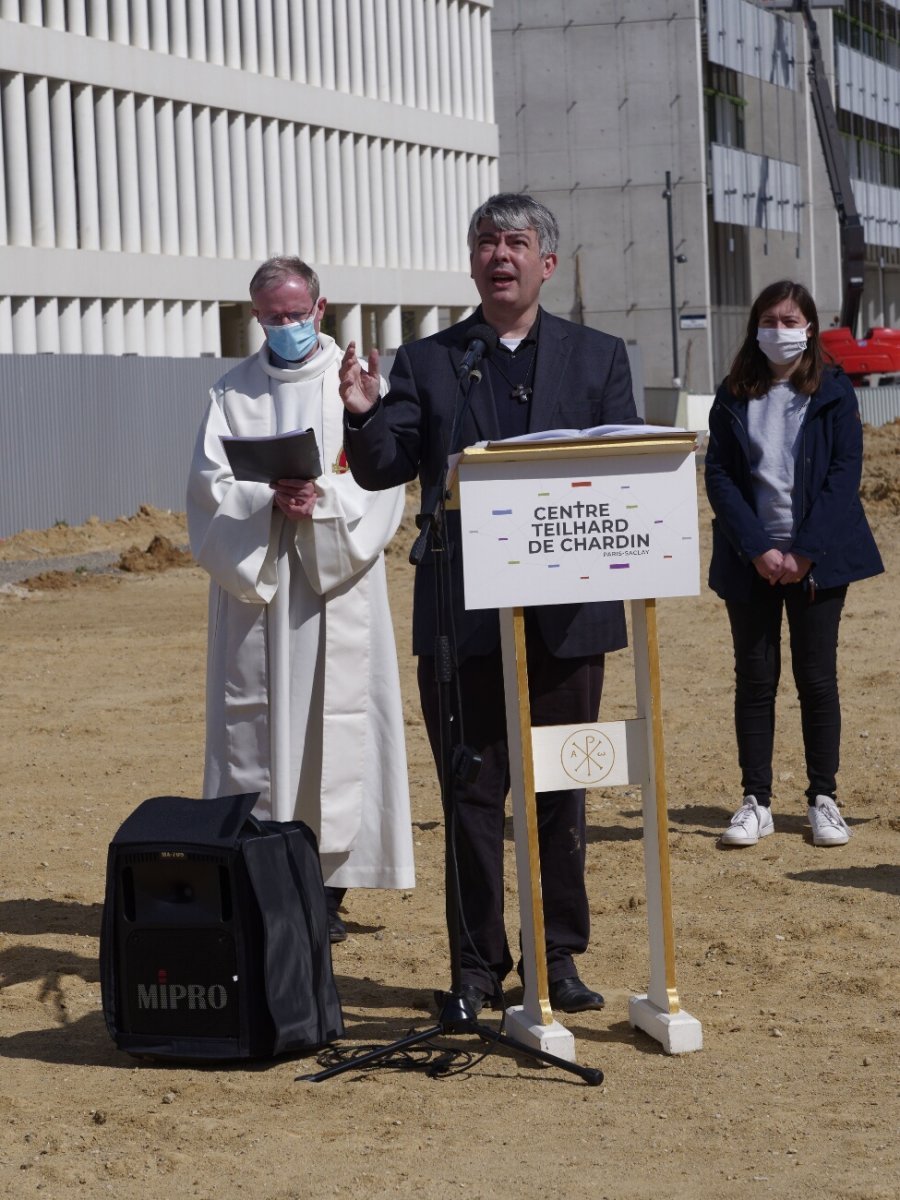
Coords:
pixel 782 345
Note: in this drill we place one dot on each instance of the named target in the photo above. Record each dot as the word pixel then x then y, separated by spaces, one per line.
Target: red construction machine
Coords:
pixel 878 352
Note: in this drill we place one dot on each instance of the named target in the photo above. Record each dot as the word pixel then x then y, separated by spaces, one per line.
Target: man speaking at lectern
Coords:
pixel 541 372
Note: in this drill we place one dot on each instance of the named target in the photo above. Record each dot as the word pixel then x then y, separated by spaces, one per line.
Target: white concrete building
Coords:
pixel 598 99
pixel 153 152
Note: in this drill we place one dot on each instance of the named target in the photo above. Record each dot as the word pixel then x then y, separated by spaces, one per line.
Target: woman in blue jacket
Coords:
pixel 783 468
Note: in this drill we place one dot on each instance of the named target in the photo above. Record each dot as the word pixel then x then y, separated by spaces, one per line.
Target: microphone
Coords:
pixel 482 342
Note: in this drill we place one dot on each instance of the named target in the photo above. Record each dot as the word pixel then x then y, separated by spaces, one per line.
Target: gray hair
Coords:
pixel 276 270
pixel 516 210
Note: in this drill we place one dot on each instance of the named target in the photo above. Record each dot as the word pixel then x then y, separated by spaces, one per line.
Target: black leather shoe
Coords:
pixel 337 930
pixel 571 995
pixel 474 997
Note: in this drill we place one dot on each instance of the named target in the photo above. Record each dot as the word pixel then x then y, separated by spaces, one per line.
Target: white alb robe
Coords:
pixel 303 692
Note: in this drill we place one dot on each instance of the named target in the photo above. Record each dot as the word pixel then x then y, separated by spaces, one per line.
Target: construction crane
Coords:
pixel 878 352
pixel 853 242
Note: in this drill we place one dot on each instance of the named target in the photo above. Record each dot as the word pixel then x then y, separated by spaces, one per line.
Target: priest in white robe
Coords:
pixel 303 694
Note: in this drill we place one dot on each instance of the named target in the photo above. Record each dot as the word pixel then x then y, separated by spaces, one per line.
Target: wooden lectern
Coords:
pixel 576 519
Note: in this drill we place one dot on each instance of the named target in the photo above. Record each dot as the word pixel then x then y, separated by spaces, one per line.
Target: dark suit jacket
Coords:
pixel 582 378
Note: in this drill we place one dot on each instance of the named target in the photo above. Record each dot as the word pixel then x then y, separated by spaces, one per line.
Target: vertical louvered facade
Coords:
pixel 153 151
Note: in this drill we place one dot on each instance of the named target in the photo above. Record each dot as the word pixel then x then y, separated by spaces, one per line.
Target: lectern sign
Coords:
pixel 620 524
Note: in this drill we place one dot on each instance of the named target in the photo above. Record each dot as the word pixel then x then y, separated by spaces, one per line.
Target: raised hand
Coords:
pixel 359 387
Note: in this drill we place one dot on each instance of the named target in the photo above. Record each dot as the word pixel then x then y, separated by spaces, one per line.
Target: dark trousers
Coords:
pixel 756 631
pixel 561 691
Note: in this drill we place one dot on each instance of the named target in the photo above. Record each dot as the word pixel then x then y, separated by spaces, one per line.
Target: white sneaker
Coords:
pixel 828 826
pixel 751 822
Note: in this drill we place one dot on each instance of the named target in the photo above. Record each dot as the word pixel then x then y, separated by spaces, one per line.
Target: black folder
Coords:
pixel 292 455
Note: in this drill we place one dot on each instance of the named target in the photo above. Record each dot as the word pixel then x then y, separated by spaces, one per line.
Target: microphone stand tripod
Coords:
pixel 458 765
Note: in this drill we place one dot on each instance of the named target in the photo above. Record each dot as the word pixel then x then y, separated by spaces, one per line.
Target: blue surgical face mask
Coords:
pixel 292 342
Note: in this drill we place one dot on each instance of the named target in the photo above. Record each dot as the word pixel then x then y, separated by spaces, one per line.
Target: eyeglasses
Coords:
pixel 285 318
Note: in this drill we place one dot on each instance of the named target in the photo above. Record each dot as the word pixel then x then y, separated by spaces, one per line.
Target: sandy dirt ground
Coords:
pixel 787 954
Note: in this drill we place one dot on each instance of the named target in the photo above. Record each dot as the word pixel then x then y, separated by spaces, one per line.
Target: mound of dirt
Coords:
pixel 95 534
pixel 51 581
pixel 58 581
pixel 160 555
pixel 880 488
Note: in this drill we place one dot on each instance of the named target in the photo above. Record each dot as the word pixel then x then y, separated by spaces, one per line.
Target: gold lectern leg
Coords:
pixel 662 991
pixel 536 1002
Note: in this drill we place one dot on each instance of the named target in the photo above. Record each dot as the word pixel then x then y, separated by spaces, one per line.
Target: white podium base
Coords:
pixel 552 1039
pixel 677 1033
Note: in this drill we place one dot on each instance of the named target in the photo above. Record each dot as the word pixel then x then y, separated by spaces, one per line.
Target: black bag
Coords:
pixel 214 942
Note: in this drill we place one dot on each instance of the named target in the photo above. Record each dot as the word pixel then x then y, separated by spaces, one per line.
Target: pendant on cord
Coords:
pixel 521 393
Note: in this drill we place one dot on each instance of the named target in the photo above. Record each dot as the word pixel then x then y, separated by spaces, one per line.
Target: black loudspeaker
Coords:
pixel 214 941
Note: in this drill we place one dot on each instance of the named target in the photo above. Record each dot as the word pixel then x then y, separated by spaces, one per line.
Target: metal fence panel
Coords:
pixel 879 405
pixel 86 435
pixel 91 435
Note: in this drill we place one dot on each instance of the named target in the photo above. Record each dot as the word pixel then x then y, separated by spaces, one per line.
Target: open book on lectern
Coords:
pixel 595 433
